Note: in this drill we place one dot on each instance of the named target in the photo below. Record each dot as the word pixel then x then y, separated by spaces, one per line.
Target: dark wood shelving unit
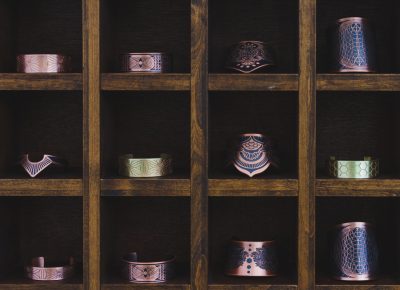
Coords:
pixel 95 113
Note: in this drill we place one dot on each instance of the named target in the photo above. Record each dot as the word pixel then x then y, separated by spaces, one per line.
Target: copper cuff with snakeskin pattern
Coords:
pixel 252 259
pixel 146 62
pixel 39 271
pixel 43 63
pixel 35 168
pixel 145 167
pixel 147 272
pixel 360 169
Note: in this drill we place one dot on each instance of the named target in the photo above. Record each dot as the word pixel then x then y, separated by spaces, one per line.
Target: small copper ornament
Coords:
pixel 43 63
pixel 35 168
pixel 41 272
pixel 146 62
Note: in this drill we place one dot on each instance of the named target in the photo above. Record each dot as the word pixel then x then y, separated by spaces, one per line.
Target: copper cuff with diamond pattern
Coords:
pixel 35 168
pixel 38 270
pixel 43 63
pixel 359 169
pixel 146 62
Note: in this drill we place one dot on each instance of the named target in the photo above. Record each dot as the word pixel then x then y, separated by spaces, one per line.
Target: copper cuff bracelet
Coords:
pixel 34 168
pixel 147 272
pixel 249 56
pixel 355 252
pixel 360 169
pixel 252 259
pixel 43 63
pixel 150 62
pixel 145 167
pixel 38 271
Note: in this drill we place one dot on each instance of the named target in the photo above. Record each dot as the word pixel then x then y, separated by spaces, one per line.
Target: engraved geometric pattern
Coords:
pixel 49 274
pixel 155 63
pixel 145 167
pixel 149 273
pixel 354 169
pixel 265 258
pixel 42 63
pixel 353 49
pixel 34 168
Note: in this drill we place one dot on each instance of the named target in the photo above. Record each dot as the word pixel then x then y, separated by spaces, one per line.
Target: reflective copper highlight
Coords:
pixel 41 272
pixel 43 63
pixel 35 168
pixel 146 62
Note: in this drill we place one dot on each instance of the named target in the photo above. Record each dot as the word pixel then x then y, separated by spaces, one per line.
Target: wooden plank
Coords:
pixel 41 286
pixel 358 82
pixel 253 82
pixel 41 187
pixel 307 144
pixel 252 287
pixel 161 286
pixel 59 81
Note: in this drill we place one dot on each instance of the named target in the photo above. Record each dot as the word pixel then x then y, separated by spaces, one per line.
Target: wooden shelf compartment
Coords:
pixel 54 82
pixel 22 283
pixel 239 283
pixel 115 283
pixel 358 82
pixel 385 282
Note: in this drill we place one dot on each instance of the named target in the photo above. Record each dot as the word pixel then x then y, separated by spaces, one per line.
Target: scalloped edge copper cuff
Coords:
pixel 39 272
pixel 358 169
pixel 145 62
pixel 147 272
pixel 145 167
pixel 43 63
pixel 35 168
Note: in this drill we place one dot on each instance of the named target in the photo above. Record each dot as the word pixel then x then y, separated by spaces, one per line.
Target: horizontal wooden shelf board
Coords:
pixel 358 82
pixel 358 187
pixel 41 286
pixel 253 82
pixel 41 81
pixel 384 283
pixel 119 284
pixel 261 283
pixel 143 82
pixel 41 187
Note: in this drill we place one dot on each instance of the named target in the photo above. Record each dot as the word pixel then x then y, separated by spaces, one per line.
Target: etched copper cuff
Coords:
pixel 252 259
pixel 355 252
pixel 43 63
pixel 147 272
pixel 359 169
pixel 40 271
pixel 146 62
pixel 249 56
pixel 34 168
pixel 145 167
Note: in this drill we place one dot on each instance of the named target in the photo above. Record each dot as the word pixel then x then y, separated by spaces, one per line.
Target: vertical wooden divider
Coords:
pixel 199 144
pixel 91 129
pixel 307 144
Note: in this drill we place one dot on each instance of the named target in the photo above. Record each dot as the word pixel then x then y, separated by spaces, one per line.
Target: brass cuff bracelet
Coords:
pixel 147 272
pixel 43 63
pixel 360 169
pixel 146 62
pixel 145 167
pixel 38 271
pixel 34 168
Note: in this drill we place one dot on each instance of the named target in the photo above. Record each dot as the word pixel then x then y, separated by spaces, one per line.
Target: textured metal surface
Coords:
pixel 249 56
pixel 147 272
pixel 145 167
pixel 252 259
pixel 34 168
pixel 360 169
pixel 355 252
pixel 153 62
pixel 43 63
pixel 39 272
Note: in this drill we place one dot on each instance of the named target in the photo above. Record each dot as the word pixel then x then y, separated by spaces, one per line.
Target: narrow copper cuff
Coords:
pixel 38 270
pixel 147 272
pixel 146 62
pixel 34 168
pixel 252 259
pixel 43 63
pixel 360 169
pixel 145 167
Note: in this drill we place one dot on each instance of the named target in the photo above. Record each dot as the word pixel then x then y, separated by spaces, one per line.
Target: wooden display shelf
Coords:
pixel 26 284
pixel 257 283
pixel 358 82
pixel 41 81
pixel 386 283
pixel 119 284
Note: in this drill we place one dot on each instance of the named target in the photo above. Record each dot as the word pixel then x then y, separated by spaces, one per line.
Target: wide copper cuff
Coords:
pixel 40 271
pixel 43 63
pixel 252 259
pixel 146 62
pixel 355 252
pixel 249 56
pixel 360 169
pixel 145 167
pixel 137 271
pixel 35 168
pixel 353 46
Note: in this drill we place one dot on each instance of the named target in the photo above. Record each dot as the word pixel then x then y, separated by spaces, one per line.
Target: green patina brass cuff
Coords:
pixel 361 169
pixel 145 167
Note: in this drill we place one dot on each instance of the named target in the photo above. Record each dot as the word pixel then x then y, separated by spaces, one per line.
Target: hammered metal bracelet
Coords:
pixel 146 62
pixel 147 272
pixel 38 270
pixel 360 169
pixel 43 63
pixel 145 167
pixel 34 168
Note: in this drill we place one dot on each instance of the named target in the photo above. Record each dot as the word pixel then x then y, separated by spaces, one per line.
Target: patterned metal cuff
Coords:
pixel 147 272
pixel 145 167
pixel 361 169
pixel 254 259
pixel 43 63
pixel 150 62
pixel 38 271
pixel 34 168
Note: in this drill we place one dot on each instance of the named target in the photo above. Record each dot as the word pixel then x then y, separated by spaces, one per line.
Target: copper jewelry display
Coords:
pixel 34 168
pixel 145 167
pixel 253 154
pixel 249 56
pixel 354 49
pixel 151 62
pixel 147 272
pixel 256 259
pixel 361 169
pixel 43 63
pixel 40 271
pixel 355 252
